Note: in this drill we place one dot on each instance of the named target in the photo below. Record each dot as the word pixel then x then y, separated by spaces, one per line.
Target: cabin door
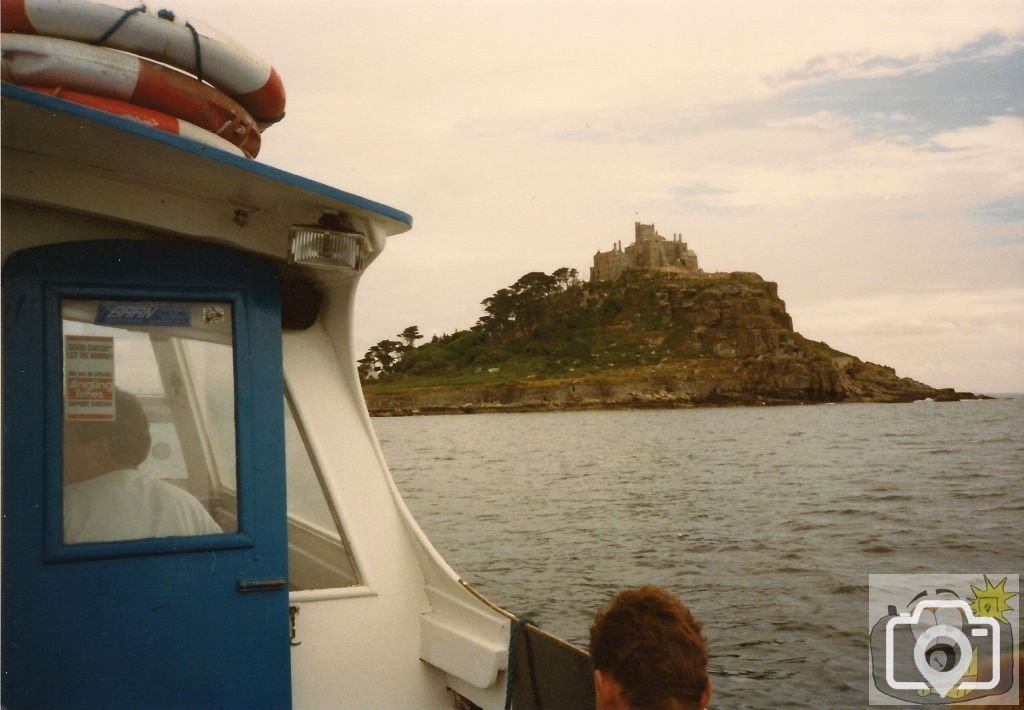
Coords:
pixel 144 551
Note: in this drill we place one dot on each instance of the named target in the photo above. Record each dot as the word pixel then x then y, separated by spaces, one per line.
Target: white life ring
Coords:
pixel 158 35
pixel 45 61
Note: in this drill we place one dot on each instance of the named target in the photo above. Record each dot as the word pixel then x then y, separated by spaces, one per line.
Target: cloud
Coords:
pixel 1001 242
pixel 1007 209
pixel 914 98
pixel 918 97
pixel 700 197
pixel 860 65
pixel 696 198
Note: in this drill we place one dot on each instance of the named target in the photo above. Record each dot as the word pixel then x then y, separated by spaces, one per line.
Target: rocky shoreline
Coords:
pixel 853 381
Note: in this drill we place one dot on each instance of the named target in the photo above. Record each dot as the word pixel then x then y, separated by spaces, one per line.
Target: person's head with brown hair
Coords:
pixel 93 448
pixel 648 653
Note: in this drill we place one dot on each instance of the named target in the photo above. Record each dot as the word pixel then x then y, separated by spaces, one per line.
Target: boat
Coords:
pixel 149 276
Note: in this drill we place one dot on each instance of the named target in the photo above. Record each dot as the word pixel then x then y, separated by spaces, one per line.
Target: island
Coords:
pixel 650 329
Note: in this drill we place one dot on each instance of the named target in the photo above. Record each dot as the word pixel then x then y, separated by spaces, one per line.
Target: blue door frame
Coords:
pixel 172 622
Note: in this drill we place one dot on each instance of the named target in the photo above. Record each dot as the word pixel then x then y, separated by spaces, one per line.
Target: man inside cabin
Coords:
pixel 107 498
pixel 649 654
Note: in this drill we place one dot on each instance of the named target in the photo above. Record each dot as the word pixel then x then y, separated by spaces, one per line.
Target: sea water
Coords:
pixel 765 521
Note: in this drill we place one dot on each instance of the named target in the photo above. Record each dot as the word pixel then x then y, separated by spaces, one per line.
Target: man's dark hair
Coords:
pixel 651 645
pixel 127 436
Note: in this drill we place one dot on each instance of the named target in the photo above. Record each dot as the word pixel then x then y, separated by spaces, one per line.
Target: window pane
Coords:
pixel 148 435
pixel 318 552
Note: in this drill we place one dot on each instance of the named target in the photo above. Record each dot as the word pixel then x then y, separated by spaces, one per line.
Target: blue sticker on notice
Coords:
pixel 143 314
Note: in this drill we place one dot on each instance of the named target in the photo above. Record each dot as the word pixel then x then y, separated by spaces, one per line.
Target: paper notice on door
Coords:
pixel 89 377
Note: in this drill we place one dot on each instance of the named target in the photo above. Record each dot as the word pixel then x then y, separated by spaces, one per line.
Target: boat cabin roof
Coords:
pixel 65 156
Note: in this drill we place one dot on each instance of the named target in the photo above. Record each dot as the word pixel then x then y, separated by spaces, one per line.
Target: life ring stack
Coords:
pixel 151 66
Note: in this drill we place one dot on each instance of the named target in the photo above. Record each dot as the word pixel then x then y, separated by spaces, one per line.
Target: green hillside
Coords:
pixel 650 338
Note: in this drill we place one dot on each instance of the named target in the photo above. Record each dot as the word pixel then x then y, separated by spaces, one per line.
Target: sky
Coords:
pixel 866 156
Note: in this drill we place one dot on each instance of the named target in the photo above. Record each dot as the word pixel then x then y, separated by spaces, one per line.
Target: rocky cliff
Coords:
pixel 645 340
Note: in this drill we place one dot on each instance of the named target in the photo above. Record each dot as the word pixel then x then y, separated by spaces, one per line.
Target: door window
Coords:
pixel 148 431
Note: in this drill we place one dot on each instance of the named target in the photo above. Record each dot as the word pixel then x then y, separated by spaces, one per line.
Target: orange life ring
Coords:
pixel 156 119
pixel 107 73
pixel 158 35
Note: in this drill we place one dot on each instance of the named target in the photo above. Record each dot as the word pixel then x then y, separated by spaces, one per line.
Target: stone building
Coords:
pixel 649 251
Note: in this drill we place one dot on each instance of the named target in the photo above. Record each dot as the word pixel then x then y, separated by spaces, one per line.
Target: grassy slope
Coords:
pixel 611 332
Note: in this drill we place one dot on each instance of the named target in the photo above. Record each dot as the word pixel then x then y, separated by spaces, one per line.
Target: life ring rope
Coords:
pixel 120 21
pixel 163 14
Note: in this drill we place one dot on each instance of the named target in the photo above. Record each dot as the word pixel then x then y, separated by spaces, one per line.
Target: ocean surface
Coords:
pixel 765 521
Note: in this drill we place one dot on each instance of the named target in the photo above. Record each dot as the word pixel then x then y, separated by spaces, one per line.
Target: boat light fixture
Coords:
pixel 313 245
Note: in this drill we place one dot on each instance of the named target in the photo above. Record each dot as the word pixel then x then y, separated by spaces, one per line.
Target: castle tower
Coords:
pixel 649 251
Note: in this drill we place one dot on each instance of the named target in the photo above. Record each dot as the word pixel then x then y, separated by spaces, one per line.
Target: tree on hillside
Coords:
pixel 500 310
pixel 566 277
pixel 518 308
pixel 366 368
pixel 382 358
pixel 531 290
pixel 535 284
pixel 410 335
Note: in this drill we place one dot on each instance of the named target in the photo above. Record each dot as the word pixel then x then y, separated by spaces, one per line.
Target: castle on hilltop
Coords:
pixel 650 251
